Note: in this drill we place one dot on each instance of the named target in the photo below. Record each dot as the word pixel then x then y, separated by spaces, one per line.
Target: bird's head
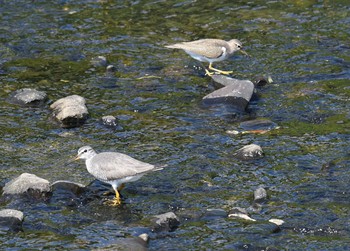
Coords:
pixel 85 152
pixel 236 45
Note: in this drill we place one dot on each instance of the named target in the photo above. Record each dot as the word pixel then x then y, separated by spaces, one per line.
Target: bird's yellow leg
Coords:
pixel 208 73
pixel 116 201
pixel 219 71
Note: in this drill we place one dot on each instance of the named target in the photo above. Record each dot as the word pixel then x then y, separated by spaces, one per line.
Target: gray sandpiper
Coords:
pixel 114 168
pixel 210 50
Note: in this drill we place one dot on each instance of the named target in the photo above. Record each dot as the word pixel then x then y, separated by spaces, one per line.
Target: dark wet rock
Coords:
pixel 165 222
pixel 70 111
pixel 261 82
pixel 69 194
pixel 99 61
pixel 258 124
pixel 237 94
pixel 111 69
pixel 28 184
pixel 248 152
pixel 240 213
pixel 129 244
pixel 27 96
pixel 11 220
pixel 110 121
pixel 73 187
pixel 260 195
pixel 214 213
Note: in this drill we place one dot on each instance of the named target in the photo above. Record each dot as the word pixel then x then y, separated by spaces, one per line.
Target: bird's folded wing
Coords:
pixel 109 166
pixel 210 48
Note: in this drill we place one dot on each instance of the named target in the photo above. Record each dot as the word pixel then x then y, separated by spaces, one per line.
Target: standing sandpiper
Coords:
pixel 114 168
pixel 210 50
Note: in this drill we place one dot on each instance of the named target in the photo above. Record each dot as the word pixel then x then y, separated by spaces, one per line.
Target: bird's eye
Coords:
pixel 85 151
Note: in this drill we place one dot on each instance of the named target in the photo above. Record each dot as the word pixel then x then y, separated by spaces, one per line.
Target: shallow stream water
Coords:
pixel 156 93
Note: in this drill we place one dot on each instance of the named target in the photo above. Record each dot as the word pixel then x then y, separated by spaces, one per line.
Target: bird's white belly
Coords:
pixel 129 179
pixel 201 58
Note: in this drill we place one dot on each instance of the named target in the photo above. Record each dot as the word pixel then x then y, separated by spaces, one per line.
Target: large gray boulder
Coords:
pixel 11 220
pixel 29 184
pixel 29 97
pixel 70 111
pixel 235 93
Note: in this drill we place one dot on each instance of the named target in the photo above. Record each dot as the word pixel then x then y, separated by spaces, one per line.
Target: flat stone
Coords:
pixel 27 183
pixel 165 222
pixel 27 96
pixel 248 152
pixel 258 124
pixel 222 80
pixel 11 220
pixel 237 94
pixel 70 111
pixel 240 213
pixel 278 222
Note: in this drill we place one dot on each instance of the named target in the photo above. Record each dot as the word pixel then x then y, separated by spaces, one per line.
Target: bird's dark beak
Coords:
pixel 245 53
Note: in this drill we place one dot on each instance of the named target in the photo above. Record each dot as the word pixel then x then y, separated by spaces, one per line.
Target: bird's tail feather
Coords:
pixel 159 167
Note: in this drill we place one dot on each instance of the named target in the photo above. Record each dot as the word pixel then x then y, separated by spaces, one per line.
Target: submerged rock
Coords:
pixel 69 194
pixel 236 93
pixel 110 69
pixel 214 213
pixel 133 244
pixel 110 121
pixel 70 111
pixel 73 187
pixel 99 61
pixel 11 220
pixel 260 195
pixel 165 222
pixel 29 184
pixel 248 152
pixel 259 82
pixel 27 96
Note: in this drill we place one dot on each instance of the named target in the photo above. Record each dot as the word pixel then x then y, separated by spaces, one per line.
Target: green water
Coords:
pixel 302 45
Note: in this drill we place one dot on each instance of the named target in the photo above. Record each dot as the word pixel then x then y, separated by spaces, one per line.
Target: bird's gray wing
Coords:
pixel 112 165
pixel 210 48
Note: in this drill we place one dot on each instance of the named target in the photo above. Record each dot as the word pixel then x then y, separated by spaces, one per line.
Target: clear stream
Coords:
pixel 303 46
